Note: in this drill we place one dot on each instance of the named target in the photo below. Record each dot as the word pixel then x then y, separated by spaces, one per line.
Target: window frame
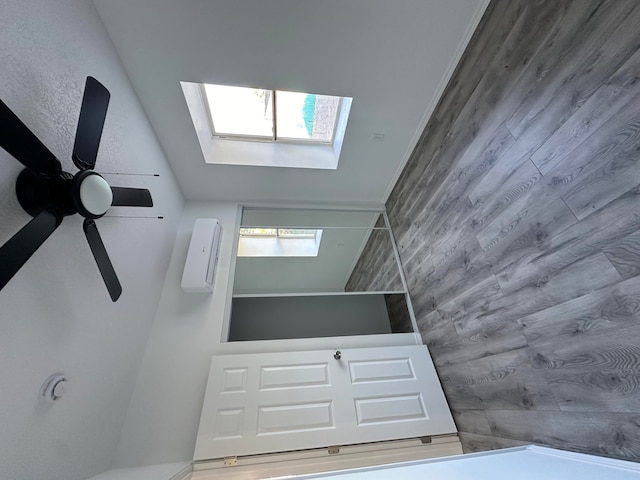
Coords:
pixel 279 245
pixel 264 138
pixel 312 233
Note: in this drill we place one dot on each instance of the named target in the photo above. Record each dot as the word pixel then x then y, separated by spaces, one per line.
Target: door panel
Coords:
pixel 381 371
pixel 274 402
pixel 294 376
pixel 377 410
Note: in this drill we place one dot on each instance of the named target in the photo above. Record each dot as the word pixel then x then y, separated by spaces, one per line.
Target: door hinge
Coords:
pixel 333 450
pixel 230 461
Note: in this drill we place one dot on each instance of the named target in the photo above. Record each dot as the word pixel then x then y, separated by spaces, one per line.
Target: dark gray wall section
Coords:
pixel 398 311
pixel 270 318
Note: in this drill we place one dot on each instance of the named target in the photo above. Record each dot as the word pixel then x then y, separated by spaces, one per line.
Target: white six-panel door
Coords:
pixel 276 402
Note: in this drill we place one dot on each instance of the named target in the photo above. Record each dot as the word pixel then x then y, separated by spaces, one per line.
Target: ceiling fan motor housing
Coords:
pixel 37 192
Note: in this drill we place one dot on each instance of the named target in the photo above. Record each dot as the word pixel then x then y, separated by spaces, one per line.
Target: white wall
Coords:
pixel 163 417
pixel 268 318
pixel 162 421
pixel 55 314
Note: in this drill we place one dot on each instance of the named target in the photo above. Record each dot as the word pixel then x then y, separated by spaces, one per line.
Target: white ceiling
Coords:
pixel 392 57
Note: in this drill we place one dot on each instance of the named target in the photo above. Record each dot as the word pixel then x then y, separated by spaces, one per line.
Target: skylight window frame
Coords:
pixel 274 137
pixel 278 232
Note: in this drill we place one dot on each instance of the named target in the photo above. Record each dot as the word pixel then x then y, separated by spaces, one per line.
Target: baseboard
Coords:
pixel 320 460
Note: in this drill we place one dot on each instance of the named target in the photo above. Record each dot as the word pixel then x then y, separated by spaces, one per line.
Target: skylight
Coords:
pixel 267 128
pixel 271 115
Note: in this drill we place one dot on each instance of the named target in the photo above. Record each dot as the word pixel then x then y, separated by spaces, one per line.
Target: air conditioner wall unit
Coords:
pixel 202 258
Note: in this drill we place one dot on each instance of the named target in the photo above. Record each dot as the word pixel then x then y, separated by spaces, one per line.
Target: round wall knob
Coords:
pixel 337 355
pixel 54 387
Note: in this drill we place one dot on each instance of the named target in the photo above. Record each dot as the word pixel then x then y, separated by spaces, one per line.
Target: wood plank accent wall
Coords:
pixel 377 269
pixel 518 223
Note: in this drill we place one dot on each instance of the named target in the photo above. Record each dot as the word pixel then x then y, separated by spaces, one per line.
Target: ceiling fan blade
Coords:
pixel 24 146
pixel 102 259
pixel 19 248
pixel 92 114
pixel 131 197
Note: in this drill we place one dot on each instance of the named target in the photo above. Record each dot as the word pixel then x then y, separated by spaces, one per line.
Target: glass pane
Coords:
pixel 296 233
pixel 306 116
pixel 258 232
pixel 240 111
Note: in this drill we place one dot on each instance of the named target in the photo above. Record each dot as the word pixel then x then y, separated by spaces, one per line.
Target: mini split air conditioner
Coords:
pixel 202 259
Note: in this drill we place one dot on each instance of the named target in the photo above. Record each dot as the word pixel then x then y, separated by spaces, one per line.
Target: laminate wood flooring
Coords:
pixel 517 219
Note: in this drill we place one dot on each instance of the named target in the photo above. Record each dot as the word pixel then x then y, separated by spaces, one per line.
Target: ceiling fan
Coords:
pixel 48 193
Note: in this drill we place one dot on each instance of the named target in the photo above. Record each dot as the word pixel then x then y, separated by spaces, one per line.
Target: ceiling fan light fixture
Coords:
pixel 95 194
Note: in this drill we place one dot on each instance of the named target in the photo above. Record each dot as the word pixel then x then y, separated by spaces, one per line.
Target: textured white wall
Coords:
pixel 55 314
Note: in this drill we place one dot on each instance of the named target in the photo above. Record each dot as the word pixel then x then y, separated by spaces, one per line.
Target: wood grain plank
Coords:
pixel 451 204
pixel 615 138
pixel 505 175
pixel 472 421
pixel 525 296
pixel 457 393
pixel 474 442
pixel 595 49
pixel 525 235
pixel 595 390
pixel 624 254
pixel 610 434
pixel 606 183
pixel 504 194
pixel 490 340
pixel 563 281
pixel 505 381
pixel 594 114
pixel 471 304
pixel 584 238
pixel 436 333
pixel 583 321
